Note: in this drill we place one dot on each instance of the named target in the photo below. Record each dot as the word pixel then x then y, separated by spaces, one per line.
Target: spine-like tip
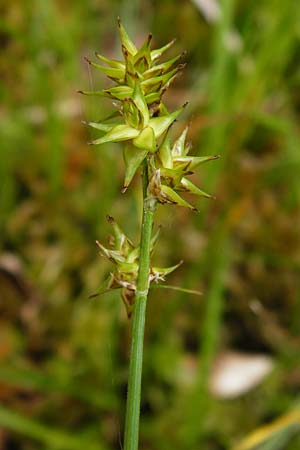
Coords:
pixel 124 189
pixel 110 219
pixel 87 60
pixel 124 51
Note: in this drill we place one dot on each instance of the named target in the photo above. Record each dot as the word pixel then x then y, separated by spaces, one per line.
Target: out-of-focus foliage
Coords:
pixel 63 357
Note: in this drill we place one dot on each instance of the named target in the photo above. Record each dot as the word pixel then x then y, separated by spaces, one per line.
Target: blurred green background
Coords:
pixel 63 357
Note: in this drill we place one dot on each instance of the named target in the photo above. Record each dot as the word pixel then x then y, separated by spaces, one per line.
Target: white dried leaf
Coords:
pixel 236 373
pixel 210 9
pixel 233 41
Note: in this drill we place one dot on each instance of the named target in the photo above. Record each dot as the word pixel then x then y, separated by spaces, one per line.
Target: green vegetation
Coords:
pixel 145 127
pixel 63 356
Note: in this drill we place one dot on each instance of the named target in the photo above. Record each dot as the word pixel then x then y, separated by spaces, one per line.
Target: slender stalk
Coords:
pixel 137 340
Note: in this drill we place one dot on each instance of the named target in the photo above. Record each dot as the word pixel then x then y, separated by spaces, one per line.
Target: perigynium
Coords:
pixel 143 122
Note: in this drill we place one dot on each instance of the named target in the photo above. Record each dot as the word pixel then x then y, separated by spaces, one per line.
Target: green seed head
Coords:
pixel 140 82
pixel 125 257
pixel 143 122
pixel 173 164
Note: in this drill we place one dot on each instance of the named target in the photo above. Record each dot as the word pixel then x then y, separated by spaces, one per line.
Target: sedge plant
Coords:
pixel 144 124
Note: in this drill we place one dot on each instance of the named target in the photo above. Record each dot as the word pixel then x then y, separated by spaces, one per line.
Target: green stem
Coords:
pixel 139 312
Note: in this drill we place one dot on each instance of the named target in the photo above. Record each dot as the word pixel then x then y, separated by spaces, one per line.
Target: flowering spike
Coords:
pixel 125 256
pixel 140 86
pixel 144 125
pixel 141 83
pixel 170 169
